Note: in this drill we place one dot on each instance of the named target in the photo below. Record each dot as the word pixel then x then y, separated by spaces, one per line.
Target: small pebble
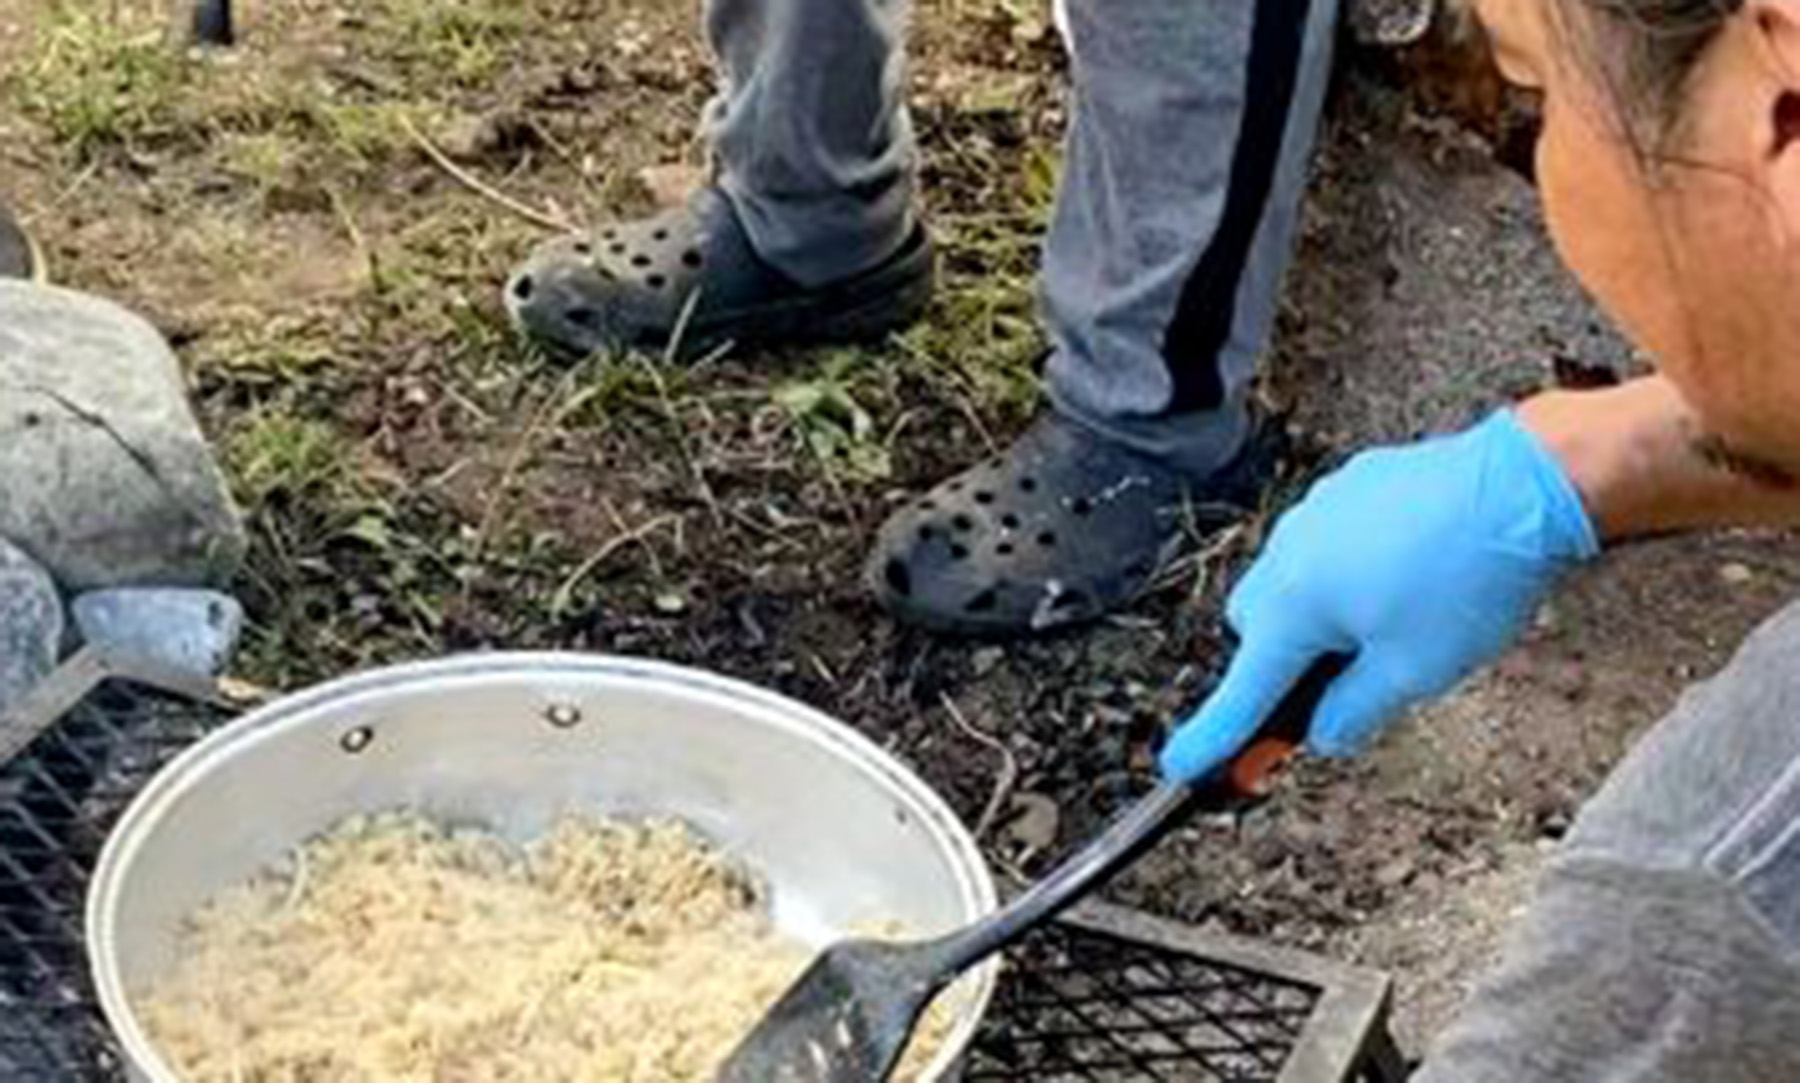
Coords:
pixel 1735 574
pixel 1036 823
pixel 1396 872
pixel 671 185
pixel 461 138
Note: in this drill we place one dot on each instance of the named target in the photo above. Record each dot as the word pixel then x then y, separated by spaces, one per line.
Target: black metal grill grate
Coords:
pixel 1077 1005
pixel 57 802
pixel 1083 1005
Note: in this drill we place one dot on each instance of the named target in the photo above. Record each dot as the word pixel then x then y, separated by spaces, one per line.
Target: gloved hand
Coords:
pixel 1422 562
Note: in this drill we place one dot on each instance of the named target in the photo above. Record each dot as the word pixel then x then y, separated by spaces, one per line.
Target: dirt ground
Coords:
pixel 297 215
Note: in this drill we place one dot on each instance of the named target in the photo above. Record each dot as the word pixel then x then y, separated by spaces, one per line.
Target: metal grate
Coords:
pixel 1110 996
pixel 1084 1005
pixel 57 801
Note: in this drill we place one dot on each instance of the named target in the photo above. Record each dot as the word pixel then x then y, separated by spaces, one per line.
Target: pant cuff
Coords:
pixel 1199 443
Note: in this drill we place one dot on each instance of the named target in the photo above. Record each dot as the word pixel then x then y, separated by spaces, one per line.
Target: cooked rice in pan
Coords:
pixel 394 950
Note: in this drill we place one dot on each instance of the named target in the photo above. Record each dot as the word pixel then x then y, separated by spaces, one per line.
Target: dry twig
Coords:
pixel 559 602
pixel 1009 766
pixel 480 187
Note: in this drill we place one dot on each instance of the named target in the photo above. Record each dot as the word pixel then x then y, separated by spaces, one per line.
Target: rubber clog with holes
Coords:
pixel 19 256
pixel 691 271
pixel 1061 529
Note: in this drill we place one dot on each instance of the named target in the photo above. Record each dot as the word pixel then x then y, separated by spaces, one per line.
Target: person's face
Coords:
pixel 1689 234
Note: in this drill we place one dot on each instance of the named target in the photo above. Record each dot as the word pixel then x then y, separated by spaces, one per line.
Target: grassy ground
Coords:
pixel 415 476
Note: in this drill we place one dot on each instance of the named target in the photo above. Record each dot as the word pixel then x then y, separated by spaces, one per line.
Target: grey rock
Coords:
pixel 105 477
pixel 192 630
pixel 31 624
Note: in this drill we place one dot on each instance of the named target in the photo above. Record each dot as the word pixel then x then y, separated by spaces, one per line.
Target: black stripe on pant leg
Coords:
pixel 1203 317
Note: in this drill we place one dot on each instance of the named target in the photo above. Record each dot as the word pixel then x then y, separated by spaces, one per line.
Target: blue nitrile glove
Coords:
pixel 1422 562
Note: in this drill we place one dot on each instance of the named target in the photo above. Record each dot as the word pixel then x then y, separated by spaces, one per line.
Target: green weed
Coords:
pixel 265 159
pixel 469 42
pixel 832 422
pixel 98 81
pixel 276 457
pixel 364 134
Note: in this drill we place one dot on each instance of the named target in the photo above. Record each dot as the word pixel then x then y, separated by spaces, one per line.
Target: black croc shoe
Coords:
pixel 1062 528
pixel 627 286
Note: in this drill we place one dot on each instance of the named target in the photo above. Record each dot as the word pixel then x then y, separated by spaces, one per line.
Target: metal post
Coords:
pixel 212 23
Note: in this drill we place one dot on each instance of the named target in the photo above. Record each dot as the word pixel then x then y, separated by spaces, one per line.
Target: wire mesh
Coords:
pixel 1080 1005
pixel 1076 1005
pixel 57 802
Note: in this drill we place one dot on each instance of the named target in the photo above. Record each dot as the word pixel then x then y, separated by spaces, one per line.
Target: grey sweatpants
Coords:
pixel 1187 154
pixel 1664 942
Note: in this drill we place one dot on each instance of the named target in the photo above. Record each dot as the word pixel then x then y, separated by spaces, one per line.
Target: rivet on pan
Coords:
pixel 563 715
pixel 356 740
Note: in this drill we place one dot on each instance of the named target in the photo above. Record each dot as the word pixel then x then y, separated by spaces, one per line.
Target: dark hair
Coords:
pixel 1647 51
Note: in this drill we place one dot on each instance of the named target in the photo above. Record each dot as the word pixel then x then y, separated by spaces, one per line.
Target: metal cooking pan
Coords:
pixel 842 834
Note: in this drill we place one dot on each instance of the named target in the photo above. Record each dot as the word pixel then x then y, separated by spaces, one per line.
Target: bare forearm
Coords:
pixel 1645 465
